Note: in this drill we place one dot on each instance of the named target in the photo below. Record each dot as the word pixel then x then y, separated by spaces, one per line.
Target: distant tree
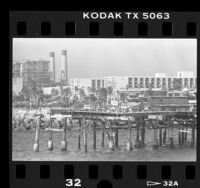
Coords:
pixel 102 95
pixel 127 87
pixel 76 89
pixel 82 93
pixel 89 89
pixel 26 93
pixel 123 97
pixel 92 97
pixel 110 90
pixel 67 91
pixel 54 92
pixel 93 90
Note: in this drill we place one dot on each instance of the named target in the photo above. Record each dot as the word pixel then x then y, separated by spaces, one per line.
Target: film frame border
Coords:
pixel 46 25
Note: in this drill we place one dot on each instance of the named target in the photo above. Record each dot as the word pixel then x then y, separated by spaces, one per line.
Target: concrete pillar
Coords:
pixel 160 137
pixel 37 132
pixel 94 135
pixel 50 141
pixel 64 142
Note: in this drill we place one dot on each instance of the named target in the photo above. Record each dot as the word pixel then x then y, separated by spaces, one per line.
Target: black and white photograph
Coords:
pixel 104 99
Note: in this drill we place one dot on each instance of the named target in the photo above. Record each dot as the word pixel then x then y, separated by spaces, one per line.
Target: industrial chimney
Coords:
pixel 64 73
pixel 52 66
pixel 21 69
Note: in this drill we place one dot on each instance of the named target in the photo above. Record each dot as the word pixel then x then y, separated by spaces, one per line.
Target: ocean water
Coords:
pixel 22 148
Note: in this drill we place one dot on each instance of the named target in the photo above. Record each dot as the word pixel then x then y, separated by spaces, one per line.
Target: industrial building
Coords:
pixel 32 71
pixel 42 72
pixel 37 71
pixel 166 103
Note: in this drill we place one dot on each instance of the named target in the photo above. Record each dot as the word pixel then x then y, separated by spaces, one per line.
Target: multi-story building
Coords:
pixel 88 84
pixel 97 83
pixel 36 71
pixel 166 103
pixel 162 81
pixel 159 81
pixel 116 82
pixel 17 69
pixel 80 82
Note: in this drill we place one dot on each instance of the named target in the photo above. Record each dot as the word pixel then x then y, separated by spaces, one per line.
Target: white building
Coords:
pixel 116 82
pixel 163 75
pixel 17 84
pixel 184 79
pixel 185 74
pixel 80 82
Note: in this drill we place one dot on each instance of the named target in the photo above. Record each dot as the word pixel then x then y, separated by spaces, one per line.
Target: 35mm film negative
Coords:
pixel 104 99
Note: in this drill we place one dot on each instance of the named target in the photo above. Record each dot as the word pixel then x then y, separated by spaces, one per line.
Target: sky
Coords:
pixel 112 57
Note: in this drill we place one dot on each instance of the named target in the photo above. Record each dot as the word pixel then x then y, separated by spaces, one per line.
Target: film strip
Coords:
pixel 43 165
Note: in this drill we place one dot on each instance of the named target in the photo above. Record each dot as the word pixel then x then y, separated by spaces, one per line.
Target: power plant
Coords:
pixel 43 72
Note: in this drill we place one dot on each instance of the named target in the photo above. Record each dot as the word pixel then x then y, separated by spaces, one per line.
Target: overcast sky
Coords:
pixel 119 57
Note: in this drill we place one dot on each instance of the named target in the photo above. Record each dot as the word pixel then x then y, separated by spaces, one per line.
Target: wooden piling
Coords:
pixel 182 136
pixel 143 136
pixel 179 138
pixel 137 141
pixel 111 141
pixel 64 142
pixel 84 134
pixel 37 132
pixel 116 137
pixel 160 137
pixel 155 140
pixel 129 144
pixel 185 136
pixel 50 141
pixel 85 140
pixel 164 136
pixel 142 125
pixel 94 135
pixel 79 135
pixel 193 136
pixel 102 137
pixel 171 140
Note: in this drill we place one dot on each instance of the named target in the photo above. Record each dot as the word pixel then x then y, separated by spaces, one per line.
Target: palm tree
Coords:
pixel 67 91
pixel 82 93
pixel 110 91
pixel 102 95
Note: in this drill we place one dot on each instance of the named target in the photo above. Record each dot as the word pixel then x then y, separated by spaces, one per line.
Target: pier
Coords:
pixel 166 126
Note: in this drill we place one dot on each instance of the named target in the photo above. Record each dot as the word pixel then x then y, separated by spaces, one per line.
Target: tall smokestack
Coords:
pixel 52 66
pixel 64 73
pixel 21 69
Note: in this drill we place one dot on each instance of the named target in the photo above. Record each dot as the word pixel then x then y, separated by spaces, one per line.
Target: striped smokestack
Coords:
pixel 64 71
pixel 52 66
